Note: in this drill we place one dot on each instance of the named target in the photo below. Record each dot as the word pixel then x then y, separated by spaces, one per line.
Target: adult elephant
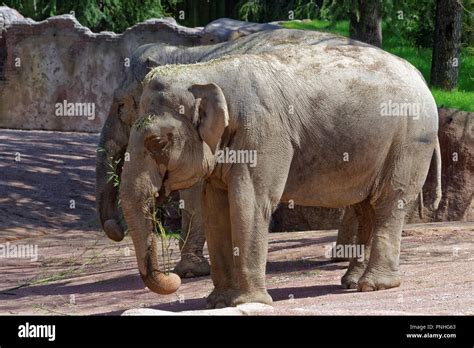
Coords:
pixel 124 111
pixel 331 126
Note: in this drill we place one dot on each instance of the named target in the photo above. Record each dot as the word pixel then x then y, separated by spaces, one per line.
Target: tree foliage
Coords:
pixel 447 44
pixel 98 15
pixel 411 21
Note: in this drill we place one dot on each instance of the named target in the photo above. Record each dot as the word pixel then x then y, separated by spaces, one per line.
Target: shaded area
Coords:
pixel 47 182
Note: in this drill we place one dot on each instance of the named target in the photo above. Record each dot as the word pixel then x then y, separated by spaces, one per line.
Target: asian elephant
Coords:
pixel 322 125
pixel 124 111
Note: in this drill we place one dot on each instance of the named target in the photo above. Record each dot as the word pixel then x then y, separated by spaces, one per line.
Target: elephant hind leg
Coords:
pixel 347 233
pixel 364 214
pixel 382 270
pixel 403 181
pixel 192 263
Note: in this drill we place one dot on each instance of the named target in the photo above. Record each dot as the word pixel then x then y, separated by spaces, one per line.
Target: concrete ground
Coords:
pixel 80 272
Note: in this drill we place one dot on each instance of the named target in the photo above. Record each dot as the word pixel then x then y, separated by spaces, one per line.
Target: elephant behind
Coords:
pixel 124 111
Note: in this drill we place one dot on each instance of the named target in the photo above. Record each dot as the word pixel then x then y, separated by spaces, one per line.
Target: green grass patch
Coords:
pixel 341 28
pixel 461 98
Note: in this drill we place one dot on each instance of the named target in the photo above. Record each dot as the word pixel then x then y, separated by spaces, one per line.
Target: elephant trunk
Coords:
pixel 112 146
pixel 155 280
pixel 137 194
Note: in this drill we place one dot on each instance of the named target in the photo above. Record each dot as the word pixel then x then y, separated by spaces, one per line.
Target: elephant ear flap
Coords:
pixel 213 113
pixel 150 63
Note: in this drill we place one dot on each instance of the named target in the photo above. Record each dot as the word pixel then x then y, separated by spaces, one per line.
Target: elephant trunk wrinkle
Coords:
pixel 137 209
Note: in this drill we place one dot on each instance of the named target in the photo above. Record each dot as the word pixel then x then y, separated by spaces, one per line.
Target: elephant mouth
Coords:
pixel 162 194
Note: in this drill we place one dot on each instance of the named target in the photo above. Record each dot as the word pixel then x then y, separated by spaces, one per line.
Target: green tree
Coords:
pixel 98 15
pixel 366 21
pixel 447 44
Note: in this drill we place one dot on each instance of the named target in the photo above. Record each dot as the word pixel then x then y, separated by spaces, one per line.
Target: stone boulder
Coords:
pixel 239 310
pixel 8 16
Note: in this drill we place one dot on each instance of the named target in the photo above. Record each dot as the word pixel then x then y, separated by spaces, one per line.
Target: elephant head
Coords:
pixel 169 150
pixel 110 153
pixel 113 144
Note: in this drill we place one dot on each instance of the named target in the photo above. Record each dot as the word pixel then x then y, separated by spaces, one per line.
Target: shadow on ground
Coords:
pixel 47 182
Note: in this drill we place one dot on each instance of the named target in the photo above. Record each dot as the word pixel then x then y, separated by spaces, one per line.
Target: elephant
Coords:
pixel 321 125
pixel 124 111
pixel 227 29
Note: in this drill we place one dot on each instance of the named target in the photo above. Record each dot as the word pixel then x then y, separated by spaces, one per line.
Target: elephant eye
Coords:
pixel 121 112
pixel 120 109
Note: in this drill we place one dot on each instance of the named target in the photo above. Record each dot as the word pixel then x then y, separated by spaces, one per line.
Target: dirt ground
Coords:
pixel 79 271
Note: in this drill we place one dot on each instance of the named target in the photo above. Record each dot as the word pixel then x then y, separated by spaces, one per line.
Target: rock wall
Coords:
pixel 59 60
pixel 44 65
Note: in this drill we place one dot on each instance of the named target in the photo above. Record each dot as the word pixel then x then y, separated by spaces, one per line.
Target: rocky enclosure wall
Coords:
pixel 51 67
pixel 58 60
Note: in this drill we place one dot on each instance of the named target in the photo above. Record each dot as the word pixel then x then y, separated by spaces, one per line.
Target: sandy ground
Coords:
pixel 79 271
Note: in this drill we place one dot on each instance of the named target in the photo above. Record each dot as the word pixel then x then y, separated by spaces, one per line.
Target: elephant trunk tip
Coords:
pixel 160 283
pixel 113 230
pixel 156 281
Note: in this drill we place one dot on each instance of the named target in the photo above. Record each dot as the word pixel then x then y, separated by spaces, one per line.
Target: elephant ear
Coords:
pixel 213 113
pixel 150 63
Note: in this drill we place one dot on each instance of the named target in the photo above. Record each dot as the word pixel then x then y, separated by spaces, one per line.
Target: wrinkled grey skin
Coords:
pixel 115 133
pixel 313 114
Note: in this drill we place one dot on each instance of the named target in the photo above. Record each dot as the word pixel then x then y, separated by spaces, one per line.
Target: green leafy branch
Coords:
pixel 166 237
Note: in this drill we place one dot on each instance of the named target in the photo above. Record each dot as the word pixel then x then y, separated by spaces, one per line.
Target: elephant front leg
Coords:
pixel 192 263
pixel 216 223
pixel 250 219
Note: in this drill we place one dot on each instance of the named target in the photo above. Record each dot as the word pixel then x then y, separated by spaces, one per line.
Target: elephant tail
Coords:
pixel 420 204
pixel 438 194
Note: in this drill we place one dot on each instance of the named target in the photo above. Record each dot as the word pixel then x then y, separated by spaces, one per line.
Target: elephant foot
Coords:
pixel 254 296
pixel 219 299
pixel 373 282
pixel 350 279
pixel 192 265
pixel 232 298
pixel 349 282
